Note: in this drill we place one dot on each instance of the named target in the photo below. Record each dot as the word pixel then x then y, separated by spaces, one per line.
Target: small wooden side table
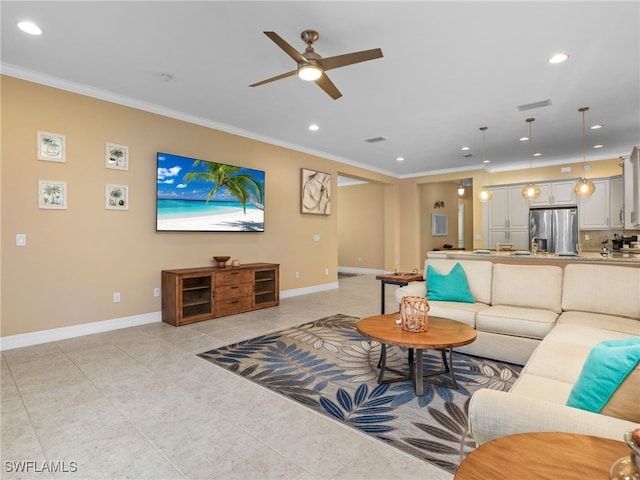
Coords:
pixel 543 456
pixel 401 279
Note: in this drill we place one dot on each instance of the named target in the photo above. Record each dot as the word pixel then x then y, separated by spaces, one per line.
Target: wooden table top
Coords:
pixel 400 277
pixel 543 456
pixel 441 332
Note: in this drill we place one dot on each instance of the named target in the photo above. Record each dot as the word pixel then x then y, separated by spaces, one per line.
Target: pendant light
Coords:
pixel 584 188
pixel 460 189
pixel 484 195
pixel 530 191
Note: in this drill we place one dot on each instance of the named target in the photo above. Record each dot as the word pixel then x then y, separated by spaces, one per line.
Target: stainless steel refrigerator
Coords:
pixel 555 229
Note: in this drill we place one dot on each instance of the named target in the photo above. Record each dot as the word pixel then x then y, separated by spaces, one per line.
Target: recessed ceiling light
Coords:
pixel 537 154
pixel 313 127
pixel 30 28
pixel 558 58
pixel 486 161
pixel 598 146
pixel 596 127
pixel 400 159
pixel 464 149
pixel 523 139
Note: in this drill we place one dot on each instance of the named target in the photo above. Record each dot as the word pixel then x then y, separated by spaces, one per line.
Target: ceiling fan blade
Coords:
pixel 350 58
pixel 273 79
pixel 327 85
pixel 289 50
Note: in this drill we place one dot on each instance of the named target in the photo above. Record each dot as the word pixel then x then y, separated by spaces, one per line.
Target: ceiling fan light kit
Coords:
pixel 312 67
pixel 309 72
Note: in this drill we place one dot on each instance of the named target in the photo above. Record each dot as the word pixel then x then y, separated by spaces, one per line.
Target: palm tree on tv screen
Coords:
pixel 239 185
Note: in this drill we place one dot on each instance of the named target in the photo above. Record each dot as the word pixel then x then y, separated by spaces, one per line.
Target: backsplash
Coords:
pixel 596 237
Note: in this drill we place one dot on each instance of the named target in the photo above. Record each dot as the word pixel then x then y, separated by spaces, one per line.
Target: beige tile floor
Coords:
pixel 137 403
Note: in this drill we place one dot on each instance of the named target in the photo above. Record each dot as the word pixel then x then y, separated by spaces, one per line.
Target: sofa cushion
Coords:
pixel 601 321
pixel 460 312
pixel 521 322
pixel 449 287
pixel 479 275
pixel 607 289
pixel 529 286
pixel 606 370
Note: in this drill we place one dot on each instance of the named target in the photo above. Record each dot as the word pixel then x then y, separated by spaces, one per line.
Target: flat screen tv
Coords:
pixel 195 195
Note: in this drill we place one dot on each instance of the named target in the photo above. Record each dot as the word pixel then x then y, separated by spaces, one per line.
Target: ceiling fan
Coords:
pixel 312 67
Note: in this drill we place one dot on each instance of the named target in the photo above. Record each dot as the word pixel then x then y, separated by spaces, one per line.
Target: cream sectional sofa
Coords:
pixel 548 319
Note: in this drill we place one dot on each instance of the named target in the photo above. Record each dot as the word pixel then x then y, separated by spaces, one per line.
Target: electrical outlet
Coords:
pixel 116 297
pixel 156 292
pixel 316 238
pixel 21 239
pixel 297 274
pixel 326 272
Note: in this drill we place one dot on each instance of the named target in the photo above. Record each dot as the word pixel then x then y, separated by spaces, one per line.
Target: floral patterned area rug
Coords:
pixel 328 366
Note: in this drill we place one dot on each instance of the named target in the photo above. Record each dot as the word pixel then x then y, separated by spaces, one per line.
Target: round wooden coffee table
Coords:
pixel 543 456
pixel 443 334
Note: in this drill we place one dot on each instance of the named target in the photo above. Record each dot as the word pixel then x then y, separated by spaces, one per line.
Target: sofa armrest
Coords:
pixel 494 413
pixel 418 289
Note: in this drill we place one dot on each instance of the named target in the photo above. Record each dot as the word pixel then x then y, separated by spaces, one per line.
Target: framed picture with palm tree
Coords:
pixel 52 194
pixel 196 195
pixel 117 157
pixel 116 197
pixel 52 147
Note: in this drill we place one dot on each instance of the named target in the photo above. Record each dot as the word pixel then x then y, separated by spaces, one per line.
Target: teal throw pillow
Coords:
pixel 604 370
pixel 452 287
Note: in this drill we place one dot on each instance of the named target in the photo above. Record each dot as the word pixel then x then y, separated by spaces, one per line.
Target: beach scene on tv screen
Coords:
pixel 203 196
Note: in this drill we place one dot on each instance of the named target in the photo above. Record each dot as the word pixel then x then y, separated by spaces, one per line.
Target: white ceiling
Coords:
pixel 448 68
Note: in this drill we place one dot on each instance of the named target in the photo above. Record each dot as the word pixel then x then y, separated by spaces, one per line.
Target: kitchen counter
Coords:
pixel 617 258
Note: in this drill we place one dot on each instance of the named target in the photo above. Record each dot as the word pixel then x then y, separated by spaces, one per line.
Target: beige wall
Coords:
pixel 361 226
pixel 75 259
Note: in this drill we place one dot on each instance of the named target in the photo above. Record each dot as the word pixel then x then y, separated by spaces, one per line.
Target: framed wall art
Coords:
pixel 439 225
pixel 117 157
pixel 51 147
pixel 315 192
pixel 52 194
pixel 116 197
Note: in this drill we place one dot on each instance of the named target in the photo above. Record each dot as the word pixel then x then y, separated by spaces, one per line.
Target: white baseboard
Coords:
pixel 306 290
pixel 371 271
pixel 55 334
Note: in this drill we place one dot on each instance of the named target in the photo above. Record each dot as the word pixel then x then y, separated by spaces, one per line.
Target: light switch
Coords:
pixel 21 239
pixel 316 238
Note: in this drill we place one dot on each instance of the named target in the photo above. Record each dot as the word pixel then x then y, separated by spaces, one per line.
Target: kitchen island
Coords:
pixel 630 259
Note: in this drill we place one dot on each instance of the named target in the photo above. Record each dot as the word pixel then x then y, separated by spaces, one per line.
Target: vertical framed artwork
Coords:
pixel 315 192
pixel 117 157
pixel 52 194
pixel 51 147
pixel 439 225
pixel 116 197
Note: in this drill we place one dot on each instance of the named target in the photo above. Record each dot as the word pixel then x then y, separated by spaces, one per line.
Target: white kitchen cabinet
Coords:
pixel 556 194
pixel 508 217
pixel 616 203
pixel 594 210
pixel 632 190
pixel 518 238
